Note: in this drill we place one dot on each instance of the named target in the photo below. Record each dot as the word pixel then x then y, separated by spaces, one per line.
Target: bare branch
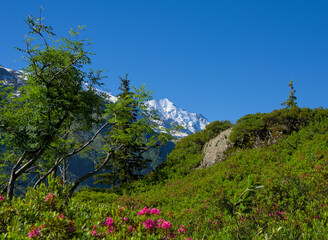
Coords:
pixel 75 151
pixel 86 176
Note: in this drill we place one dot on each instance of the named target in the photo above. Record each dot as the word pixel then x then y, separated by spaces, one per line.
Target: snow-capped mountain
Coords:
pixel 169 113
pixel 11 77
pixel 165 109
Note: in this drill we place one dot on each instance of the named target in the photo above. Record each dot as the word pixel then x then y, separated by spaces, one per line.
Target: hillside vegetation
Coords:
pixel 272 185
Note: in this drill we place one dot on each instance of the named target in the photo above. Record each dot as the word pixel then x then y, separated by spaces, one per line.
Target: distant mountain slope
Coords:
pixel 11 77
pixel 166 110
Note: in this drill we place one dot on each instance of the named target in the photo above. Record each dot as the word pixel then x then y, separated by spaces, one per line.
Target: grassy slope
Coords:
pixel 291 205
pixel 294 196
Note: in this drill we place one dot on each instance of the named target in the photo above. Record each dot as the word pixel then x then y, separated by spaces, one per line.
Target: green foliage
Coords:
pixel 263 129
pixel 285 150
pixel 220 202
pixel 37 121
pixel 187 153
pixel 132 134
pixel 291 101
pixel 45 121
pixel 248 129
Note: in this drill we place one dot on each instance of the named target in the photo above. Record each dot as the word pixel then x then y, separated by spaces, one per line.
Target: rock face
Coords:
pixel 214 150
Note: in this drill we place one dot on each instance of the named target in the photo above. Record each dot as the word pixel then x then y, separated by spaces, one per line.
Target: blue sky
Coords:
pixel 223 59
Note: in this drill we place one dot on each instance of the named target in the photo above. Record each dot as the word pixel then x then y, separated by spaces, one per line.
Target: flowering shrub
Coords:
pixel 210 203
pixel 34 233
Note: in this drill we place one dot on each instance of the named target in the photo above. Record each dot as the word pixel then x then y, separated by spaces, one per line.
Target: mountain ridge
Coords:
pixel 165 109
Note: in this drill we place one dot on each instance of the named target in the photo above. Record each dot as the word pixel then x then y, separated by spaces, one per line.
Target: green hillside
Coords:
pixel 272 185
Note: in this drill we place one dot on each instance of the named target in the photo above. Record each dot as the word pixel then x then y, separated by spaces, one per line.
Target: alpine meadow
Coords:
pixel 263 177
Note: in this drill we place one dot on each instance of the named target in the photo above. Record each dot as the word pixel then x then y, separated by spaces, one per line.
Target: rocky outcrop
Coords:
pixel 214 150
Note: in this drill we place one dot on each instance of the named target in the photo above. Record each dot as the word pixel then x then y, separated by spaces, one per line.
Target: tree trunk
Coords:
pixel 64 171
pixel 13 176
pixel 11 185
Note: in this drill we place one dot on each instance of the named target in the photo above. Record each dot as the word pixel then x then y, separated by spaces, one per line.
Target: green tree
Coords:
pixel 37 122
pixel 128 138
pixel 127 163
pixel 40 124
pixel 291 101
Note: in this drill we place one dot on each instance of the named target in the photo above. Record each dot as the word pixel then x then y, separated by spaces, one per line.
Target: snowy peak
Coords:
pixel 169 113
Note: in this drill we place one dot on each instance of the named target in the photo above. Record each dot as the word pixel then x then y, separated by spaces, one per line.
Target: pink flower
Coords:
pixel 182 229
pixel 154 211
pixel 121 209
pixel 109 222
pixel 149 223
pixel 34 232
pixel 94 232
pixel 2 198
pixel 50 197
pixel 130 228
pixel 166 225
pixel 159 222
pixel 143 211
pixel 124 219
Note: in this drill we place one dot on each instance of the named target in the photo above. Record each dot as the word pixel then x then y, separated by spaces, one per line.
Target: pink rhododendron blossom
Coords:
pixel 130 228
pixel 154 211
pixel 166 225
pixel 149 224
pixel 94 232
pixel 109 222
pixel 159 222
pixel 34 232
pixel 143 211
pixel 2 198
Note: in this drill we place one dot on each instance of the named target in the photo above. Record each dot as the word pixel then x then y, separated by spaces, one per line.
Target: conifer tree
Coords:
pixel 127 163
pixel 291 101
